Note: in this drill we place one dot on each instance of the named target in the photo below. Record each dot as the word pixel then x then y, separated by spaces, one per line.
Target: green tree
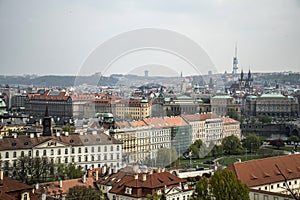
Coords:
pixel 68 128
pixel 232 113
pixel 293 138
pixel 202 190
pixel 225 185
pixel 67 171
pixel 252 143
pixel 217 151
pixel 166 156
pixel 73 171
pixel 155 196
pixel 232 145
pixel 23 169
pixel 84 193
pixel 196 148
pixel 32 170
pixel 264 119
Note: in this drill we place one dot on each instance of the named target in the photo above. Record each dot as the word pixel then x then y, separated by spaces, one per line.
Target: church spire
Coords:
pixel 46 111
pixel 249 74
pixel 242 75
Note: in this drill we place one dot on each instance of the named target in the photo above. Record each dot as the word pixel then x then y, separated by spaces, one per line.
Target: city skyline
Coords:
pixel 57 38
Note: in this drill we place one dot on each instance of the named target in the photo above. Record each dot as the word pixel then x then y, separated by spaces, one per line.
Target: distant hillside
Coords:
pixel 282 78
pixel 56 81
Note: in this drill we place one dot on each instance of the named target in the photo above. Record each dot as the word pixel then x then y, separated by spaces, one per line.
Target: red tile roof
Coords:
pixel 199 117
pixel 133 124
pixel 264 171
pixel 228 120
pixel 10 189
pixel 25 142
pixel 156 122
pixel 176 121
pixel 151 183
pixel 47 96
pixel 52 188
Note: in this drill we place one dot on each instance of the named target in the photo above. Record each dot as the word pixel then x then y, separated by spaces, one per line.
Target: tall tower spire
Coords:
pixel 235 61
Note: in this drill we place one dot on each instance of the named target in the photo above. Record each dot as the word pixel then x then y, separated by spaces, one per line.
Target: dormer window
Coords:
pixel 158 192
pixel 25 196
pixel 128 190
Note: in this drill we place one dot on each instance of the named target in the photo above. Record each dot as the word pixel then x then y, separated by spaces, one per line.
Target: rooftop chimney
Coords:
pixel 97 174
pixel 84 178
pixel 60 183
pixel 144 178
pixel 136 176
pixel 104 169
pixel 1 175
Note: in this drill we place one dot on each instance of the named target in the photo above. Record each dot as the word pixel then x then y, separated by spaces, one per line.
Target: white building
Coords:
pixel 161 135
pixel 86 150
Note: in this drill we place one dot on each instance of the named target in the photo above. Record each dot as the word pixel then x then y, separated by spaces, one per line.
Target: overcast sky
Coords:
pixel 56 37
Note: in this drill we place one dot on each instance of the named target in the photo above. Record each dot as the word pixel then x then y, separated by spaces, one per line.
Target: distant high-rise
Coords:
pixel 146 73
pixel 235 61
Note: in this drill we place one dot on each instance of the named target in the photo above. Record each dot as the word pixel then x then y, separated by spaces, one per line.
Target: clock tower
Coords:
pixel 47 124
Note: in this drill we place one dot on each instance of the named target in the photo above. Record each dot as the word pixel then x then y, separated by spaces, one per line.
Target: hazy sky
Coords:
pixel 56 37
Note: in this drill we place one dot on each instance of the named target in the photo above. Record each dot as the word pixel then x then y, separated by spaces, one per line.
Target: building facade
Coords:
pixel 231 127
pixel 276 105
pixel 86 150
pixel 225 106
pixel 59 104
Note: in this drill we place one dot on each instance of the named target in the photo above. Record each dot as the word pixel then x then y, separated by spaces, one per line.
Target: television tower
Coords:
pixel 235 61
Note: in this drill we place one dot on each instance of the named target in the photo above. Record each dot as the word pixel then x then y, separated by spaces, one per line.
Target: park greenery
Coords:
pixel 32 170
pixel 232 145
pixel 223 185
pixel 251 143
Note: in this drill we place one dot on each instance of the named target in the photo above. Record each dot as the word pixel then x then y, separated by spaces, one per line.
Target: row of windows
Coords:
pixel 59 151
pixel 279 185
pixel 79 158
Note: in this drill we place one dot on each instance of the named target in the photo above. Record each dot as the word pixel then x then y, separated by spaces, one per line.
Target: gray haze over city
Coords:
pixel 56 37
